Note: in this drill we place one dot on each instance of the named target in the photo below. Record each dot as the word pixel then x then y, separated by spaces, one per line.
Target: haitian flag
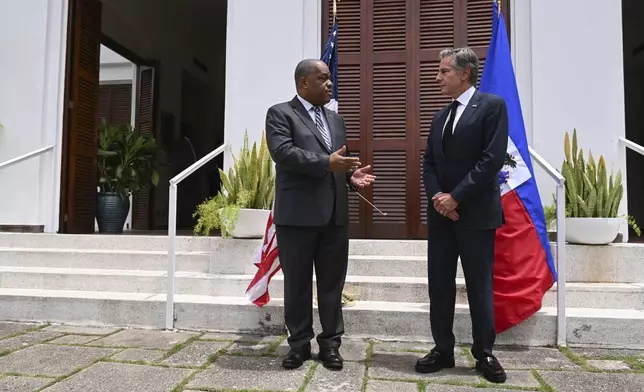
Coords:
pixel 523 264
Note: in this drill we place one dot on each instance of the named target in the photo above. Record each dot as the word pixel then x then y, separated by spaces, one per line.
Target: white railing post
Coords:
pixel 561 265
pixel 172 234
pixel 172 231
pixel 560 200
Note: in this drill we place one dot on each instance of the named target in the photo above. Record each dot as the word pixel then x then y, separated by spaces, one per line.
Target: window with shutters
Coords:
pixel 115 103
pixel 388 58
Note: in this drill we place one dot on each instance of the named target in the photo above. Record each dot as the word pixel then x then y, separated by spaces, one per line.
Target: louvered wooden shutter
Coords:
pixel 388 59
pixel 349 96
pixel 141 205
pixel 82 131
pixel 115 103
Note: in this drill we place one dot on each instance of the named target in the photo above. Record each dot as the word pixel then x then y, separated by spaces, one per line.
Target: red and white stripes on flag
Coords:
pixel 267 262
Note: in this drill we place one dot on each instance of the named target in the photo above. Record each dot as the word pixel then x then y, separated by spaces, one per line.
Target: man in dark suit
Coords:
pixel 311 213
pixel 464 154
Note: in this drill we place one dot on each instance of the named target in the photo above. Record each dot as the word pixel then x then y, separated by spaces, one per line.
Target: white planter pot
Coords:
pixel 591 231
pixel 250 223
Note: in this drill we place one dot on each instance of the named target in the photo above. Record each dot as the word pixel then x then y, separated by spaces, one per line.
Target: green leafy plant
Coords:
pixel 250 183
pixel 127 159
pixel 590 192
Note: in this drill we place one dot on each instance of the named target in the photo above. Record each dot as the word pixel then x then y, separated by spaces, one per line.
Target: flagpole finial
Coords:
pixel 498 2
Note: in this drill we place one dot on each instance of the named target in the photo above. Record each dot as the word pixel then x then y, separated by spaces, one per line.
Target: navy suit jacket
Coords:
pixel 469 169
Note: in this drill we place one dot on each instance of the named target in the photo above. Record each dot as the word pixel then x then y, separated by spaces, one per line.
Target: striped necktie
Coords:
pixel 320 125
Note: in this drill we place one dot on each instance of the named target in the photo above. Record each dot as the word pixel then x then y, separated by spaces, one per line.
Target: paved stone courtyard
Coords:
pixel 66 359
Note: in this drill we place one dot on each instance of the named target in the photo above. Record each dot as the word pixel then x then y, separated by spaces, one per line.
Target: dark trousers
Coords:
pixel 300 249
pixel 476 248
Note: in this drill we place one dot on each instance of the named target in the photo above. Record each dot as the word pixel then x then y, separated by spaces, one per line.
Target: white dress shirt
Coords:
pixel 463 100
pixel 311 111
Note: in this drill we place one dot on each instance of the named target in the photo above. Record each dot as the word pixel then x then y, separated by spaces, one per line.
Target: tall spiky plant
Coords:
pixel 590 192
pixel 250 183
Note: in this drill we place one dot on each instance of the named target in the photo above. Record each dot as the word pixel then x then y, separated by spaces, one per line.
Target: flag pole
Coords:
pixel 335 9
pixel 498 2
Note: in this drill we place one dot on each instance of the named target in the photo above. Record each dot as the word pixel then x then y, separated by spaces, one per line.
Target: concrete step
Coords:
pixel 243 247
pixel 102 241
pixel 615 264
pixel 362 288
pixel 103 259
pixel 620 327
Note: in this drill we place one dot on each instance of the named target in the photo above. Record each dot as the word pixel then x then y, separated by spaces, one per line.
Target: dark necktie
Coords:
pixel 447 133
pixel 320 125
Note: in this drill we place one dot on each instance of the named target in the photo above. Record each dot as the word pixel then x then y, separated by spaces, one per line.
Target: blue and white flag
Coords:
pixel 330 58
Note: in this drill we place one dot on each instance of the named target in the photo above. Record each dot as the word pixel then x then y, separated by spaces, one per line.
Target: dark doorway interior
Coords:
pixel 176 93
pixel 633 38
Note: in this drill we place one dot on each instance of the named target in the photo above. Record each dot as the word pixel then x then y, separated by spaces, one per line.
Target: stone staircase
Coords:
pixel 120 281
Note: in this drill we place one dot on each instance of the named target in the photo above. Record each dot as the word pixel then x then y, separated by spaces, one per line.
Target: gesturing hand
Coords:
pixel 361 178
pixel 339 163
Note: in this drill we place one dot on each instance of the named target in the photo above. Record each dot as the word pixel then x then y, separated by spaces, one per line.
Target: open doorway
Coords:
pixel 158 65
pixel 633 41
pixel 117 95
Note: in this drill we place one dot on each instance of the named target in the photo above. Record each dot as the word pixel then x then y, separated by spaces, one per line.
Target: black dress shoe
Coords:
pixel 491 369
pixel 295 358
pixel 433 362
pixel 331 358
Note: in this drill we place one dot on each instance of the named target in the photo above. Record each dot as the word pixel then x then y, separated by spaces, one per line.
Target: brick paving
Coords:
pixel 54 358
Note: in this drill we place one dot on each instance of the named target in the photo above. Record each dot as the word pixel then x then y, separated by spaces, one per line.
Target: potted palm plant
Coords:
pixel 592 198
pixel 127 162
pixel 242 206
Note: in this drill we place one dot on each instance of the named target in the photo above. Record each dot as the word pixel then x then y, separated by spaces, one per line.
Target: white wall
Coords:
pixel 115 68
pixel 32 43
pixel 571 79
pixel 259 67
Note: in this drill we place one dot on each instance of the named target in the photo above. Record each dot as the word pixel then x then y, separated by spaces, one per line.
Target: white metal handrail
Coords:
pixel 172 229
pixel 25 157
pixel 560 200
pixel 632 146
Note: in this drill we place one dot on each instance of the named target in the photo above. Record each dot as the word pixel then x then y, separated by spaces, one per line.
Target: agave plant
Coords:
pixel 127 159
pixel 590 192
pixel 250 183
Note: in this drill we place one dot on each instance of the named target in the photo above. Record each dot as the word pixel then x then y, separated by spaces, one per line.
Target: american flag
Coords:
pixel 267 258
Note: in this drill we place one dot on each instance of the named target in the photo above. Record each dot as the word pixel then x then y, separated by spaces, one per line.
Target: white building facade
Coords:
pixel 568 56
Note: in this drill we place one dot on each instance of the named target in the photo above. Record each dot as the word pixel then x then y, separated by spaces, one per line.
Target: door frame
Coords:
pixel 73 25
pixel 70 56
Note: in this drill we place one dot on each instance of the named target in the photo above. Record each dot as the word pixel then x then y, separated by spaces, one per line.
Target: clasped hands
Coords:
pixel 445 205
pixel 339 163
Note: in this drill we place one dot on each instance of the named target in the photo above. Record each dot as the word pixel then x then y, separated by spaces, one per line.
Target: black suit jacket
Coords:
pixel 306 192
pixel 469 170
